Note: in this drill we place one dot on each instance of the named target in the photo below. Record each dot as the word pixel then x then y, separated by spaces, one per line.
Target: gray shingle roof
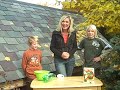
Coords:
pixel 18 20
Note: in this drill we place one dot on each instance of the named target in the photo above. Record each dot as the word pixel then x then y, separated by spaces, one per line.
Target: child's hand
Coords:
pixel 97 59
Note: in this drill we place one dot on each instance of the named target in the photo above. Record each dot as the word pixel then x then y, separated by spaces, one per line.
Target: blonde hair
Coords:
pixel 92 27
pixel 59 28
pixel 31 39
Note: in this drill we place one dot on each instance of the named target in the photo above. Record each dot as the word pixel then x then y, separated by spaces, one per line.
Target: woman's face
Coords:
pixel 91 33
pixel 65 24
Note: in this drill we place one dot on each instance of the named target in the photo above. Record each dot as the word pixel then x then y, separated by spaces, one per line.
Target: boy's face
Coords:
pixel 91 33
pixel 34 45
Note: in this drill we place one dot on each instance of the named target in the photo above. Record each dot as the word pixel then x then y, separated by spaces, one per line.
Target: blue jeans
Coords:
pixel 64 67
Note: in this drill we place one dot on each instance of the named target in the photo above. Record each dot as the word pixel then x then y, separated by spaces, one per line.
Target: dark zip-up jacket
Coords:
pixel 58 46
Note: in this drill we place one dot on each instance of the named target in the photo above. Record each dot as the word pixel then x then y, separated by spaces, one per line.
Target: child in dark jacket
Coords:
pixel 93 47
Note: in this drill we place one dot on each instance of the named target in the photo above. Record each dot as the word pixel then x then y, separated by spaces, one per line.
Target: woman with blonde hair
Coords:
pixel 64 45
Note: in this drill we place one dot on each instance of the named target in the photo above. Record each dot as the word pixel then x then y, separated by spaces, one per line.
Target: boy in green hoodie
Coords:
pixel 93 47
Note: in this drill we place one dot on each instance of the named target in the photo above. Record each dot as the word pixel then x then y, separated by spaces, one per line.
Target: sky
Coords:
pixel 50 3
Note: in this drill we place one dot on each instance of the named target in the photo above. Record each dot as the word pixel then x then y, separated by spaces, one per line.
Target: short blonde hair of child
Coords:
pixel 92 27
pixel 31 39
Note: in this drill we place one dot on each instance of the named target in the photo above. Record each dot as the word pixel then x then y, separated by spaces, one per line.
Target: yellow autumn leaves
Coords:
pixel 80 35
pixel 102 13
pixel 7 58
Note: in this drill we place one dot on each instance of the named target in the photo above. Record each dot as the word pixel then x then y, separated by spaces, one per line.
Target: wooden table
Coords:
pixel 67 83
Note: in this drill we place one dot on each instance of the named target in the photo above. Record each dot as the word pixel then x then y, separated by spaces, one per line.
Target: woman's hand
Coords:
pixel 65 55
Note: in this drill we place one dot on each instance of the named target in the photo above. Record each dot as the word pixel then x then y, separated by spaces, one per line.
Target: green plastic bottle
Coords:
pixel 48 76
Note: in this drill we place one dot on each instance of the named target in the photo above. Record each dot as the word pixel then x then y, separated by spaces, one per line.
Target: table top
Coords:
pixel 66 82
